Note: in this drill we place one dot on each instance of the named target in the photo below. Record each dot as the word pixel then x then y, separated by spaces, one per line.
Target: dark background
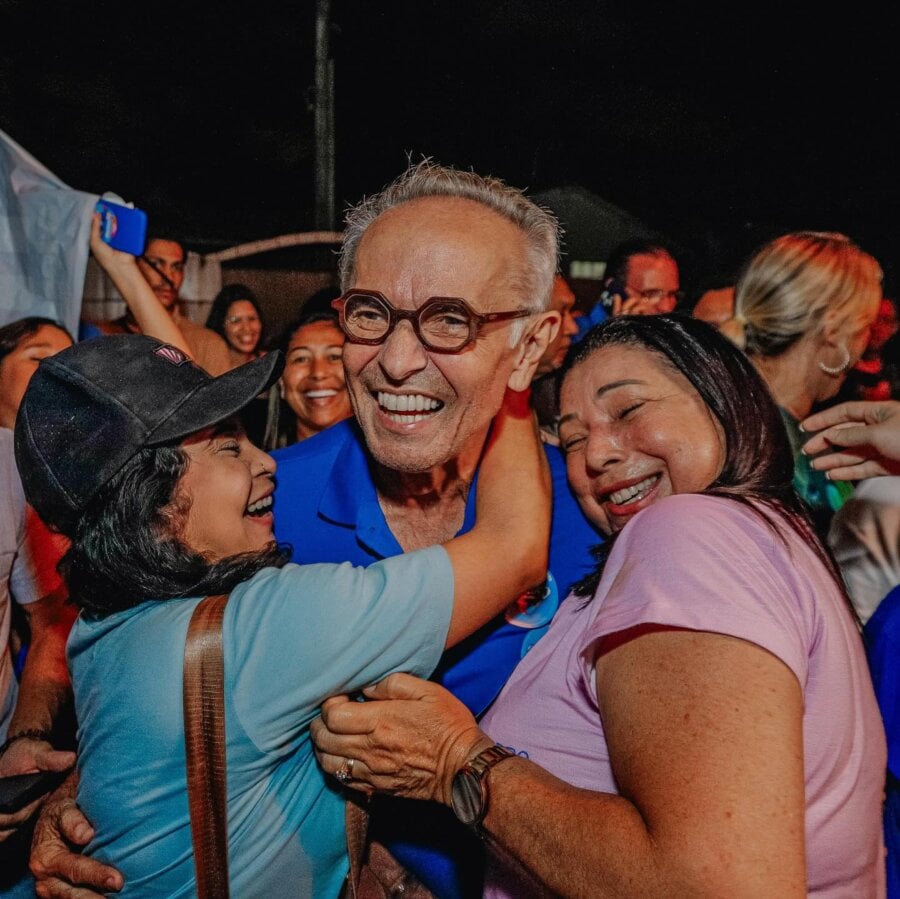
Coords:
pixel 718 125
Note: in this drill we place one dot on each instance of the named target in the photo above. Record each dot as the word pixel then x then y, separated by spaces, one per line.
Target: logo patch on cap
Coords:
pixel 171 354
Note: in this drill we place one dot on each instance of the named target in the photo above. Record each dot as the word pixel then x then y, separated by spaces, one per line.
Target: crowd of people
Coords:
pixel 555 601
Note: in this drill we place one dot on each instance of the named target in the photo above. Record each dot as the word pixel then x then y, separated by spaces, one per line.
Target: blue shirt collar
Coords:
pixel 350 498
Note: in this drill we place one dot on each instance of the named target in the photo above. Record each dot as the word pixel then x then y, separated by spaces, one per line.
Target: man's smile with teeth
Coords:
pixel 406 407
pixel 635 492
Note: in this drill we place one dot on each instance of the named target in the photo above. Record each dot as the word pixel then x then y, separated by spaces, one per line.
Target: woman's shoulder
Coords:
pixel 680 529
pixel 711 563
pixel 686 513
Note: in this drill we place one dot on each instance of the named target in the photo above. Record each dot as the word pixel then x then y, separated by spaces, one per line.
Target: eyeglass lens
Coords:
pixel 443 324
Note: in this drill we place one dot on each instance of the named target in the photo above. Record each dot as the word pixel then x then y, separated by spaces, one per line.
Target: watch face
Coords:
pixel 467 798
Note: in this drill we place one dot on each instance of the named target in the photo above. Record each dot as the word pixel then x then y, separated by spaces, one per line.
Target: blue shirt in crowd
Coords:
pixel 882 638
pixel 327 509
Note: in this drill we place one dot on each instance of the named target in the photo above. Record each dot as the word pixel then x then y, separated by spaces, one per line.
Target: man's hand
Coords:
pixel 25 756
pixel 859 440
pixel 108 258
pixel 408 741
pixel 633 305
pixel 61 873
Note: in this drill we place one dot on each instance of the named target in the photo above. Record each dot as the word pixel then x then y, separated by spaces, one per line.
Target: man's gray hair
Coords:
pixel 428 179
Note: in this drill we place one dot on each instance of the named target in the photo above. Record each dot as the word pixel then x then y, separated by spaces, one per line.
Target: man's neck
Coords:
pixel 427 508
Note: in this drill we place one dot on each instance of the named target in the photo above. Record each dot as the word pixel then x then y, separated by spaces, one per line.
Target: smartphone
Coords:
pixel 18 790
pixel 122 227
pixel 612 290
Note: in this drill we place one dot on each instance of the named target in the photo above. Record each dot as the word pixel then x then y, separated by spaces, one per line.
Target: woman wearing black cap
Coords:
pixel 135 454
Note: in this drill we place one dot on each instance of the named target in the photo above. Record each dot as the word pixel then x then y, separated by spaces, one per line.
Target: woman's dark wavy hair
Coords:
pixel 229 294
pixel 126 548
pixel 758 469
pixel 14 333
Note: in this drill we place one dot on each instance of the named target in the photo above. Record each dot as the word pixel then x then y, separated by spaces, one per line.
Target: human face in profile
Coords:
pixel 313 380
pixel 634 430
pixel 17 367
pixel 562 300
pixel 227 491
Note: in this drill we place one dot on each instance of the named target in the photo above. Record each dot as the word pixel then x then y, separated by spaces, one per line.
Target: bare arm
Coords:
pixel 151 318
pixel 705 739
pixel 505 554
pixel 45 689
pixel 44 692
pixel 857 440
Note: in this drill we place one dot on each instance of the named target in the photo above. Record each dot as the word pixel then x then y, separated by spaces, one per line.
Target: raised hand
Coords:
pixel 855 440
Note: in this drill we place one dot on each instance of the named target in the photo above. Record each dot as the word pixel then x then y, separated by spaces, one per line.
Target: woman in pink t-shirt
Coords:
pixel 699 720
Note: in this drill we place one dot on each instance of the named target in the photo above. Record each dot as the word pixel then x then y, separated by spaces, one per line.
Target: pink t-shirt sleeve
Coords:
pixel 707 564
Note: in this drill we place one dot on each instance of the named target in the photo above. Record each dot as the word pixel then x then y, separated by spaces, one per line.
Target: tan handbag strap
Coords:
pixel 356 820
pixel 204 740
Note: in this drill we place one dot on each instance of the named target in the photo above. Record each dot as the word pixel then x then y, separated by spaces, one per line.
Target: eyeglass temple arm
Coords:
pixel 158 271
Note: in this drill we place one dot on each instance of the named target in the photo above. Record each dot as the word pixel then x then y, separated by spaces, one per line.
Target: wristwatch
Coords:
pixel 469 791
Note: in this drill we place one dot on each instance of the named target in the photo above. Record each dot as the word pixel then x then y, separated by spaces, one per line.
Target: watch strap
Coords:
pixel 470 794
pixel 487 758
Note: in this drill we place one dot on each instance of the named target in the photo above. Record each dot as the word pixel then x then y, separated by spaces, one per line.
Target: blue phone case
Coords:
pixel 122 227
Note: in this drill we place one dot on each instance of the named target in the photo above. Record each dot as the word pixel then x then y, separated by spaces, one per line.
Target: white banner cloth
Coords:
pixel 45 230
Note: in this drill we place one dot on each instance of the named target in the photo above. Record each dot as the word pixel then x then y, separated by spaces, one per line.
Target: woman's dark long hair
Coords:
pixel 126 548
pixel 758 469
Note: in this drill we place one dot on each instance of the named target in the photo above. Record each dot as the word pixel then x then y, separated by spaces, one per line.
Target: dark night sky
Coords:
pixel 734 120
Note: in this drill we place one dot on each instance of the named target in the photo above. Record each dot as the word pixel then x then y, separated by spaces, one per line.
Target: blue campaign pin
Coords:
pixel 532 638
pixel 538 613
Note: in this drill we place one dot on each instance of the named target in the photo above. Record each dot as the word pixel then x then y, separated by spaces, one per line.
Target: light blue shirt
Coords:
pixel 291 638
pixel 327 509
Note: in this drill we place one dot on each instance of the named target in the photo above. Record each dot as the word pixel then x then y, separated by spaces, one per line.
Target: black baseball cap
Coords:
pixel 93 406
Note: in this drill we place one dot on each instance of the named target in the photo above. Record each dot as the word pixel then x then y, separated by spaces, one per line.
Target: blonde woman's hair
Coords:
pixel 788 286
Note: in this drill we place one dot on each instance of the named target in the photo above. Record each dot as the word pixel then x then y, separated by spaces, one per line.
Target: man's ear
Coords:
pixel 534 344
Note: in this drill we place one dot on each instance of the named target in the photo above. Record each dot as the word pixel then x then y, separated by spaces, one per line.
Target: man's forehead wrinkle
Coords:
pixel 418 251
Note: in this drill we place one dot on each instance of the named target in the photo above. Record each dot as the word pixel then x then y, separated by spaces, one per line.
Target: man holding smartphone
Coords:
pixel 162 265
pixel 642 278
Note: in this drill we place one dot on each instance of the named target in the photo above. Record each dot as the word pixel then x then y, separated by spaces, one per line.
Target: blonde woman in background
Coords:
pixel 804 306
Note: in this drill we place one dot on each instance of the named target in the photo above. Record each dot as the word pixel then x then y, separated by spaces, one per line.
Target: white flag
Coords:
pixel 45 230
